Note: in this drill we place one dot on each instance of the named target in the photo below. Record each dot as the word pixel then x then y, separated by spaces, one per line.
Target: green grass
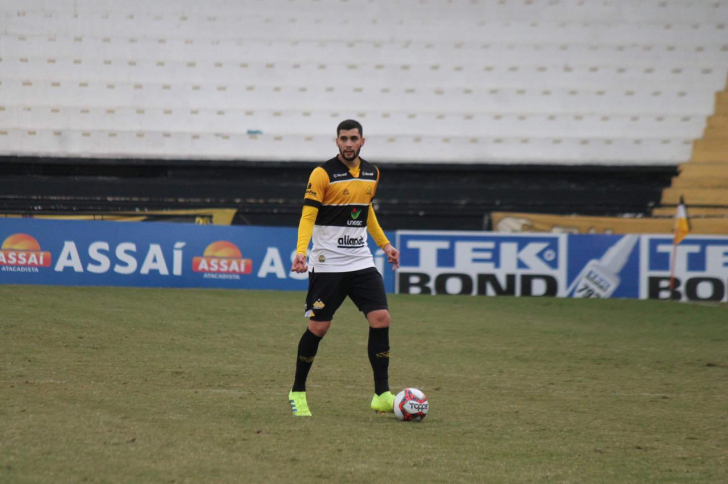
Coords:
pixel 142 385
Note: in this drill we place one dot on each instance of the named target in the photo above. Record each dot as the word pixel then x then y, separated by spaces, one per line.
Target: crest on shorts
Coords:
pixel 318 304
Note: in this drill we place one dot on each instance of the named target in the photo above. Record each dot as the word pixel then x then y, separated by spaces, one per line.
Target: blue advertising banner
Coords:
pixel 472 263
pixel 603 266
pixel 153 255
pixel 700 268
pixel 481 263
pixel 577 266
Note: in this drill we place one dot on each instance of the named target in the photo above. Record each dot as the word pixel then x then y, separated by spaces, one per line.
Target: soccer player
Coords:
pixel 338 213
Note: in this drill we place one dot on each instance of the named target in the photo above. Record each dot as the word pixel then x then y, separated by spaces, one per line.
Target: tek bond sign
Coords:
pixel 578 266
pixel 153 255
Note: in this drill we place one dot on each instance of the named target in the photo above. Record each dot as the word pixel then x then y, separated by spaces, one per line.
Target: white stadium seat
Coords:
pixel 317 26
pixel 125 48
pixel 539 81
pixel 431 149
pixel 453 100
pixel 444 74
pixel 401 123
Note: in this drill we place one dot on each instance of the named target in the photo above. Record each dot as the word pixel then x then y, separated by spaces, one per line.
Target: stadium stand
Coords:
pixel 562 106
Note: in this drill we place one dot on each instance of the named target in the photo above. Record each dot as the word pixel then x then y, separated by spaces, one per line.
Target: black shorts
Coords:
pixel 327 290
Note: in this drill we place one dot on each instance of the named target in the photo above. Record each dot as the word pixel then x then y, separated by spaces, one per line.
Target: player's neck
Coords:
pixel 353 164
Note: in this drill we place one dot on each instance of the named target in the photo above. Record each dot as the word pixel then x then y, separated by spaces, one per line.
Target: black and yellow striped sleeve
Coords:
pixel 305 228
pixel 318 183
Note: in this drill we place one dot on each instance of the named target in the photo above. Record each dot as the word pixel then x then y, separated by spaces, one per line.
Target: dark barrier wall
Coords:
pixel 410 196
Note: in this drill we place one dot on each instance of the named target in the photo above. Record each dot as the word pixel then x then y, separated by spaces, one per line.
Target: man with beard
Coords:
pixel 338 213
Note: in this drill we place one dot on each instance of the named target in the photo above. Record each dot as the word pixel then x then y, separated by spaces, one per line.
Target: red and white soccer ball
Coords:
pixel 411 405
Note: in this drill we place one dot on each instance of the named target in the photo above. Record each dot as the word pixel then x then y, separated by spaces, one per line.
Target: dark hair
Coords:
pixel 349 124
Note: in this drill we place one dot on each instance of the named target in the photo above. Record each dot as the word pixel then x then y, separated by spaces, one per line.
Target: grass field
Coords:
pixel 143 385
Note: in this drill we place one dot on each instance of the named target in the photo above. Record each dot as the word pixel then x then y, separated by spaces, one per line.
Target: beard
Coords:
pixel 353 155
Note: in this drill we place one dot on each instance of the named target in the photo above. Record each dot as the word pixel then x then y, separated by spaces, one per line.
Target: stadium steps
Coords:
pixel 696 196
pixel 717 127
pixel 721 212
pixel 708 149
pixel 703 181
pixel 713 182
pixel 702 175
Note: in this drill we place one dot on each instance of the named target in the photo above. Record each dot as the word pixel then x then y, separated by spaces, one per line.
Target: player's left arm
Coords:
pixel 375 230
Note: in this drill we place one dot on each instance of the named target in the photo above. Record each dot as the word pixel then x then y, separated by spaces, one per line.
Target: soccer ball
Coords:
pixel 411 405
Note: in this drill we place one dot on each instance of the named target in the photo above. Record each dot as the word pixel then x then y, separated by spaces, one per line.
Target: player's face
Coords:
pixel 349 142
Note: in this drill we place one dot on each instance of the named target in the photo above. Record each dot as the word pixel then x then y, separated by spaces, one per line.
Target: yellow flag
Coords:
pixel 681 222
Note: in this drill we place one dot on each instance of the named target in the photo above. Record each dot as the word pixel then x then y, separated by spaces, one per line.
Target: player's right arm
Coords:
pixel 317 183
pixel 305 231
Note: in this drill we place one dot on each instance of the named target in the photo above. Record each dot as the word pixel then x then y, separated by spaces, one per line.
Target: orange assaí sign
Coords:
pixel 22 250
pixel 222 257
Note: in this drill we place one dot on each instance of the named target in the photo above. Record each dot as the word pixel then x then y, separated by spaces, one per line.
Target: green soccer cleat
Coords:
pixel 299 405
pixel 383 403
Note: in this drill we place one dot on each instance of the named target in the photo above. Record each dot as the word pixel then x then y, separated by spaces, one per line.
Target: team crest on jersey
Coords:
pixel 346 191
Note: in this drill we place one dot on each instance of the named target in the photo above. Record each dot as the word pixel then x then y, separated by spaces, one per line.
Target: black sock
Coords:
pixel 379 358
pixel 307 348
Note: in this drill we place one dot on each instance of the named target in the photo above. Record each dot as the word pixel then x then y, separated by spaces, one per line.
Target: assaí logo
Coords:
pixel 222 260
pixel 22 253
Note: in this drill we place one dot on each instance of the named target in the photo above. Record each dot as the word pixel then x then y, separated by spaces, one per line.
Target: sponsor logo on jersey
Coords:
pixel 347 242
pixel 364 173
pixel 355 212
pixel 340 175
pixel 322 258
pixel 22 253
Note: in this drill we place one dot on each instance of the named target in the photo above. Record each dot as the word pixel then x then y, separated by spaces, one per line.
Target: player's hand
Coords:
pixel 299 263
pixel 392 255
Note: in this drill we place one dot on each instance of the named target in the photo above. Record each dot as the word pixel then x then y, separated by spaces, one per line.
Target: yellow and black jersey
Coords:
pixel 343 198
